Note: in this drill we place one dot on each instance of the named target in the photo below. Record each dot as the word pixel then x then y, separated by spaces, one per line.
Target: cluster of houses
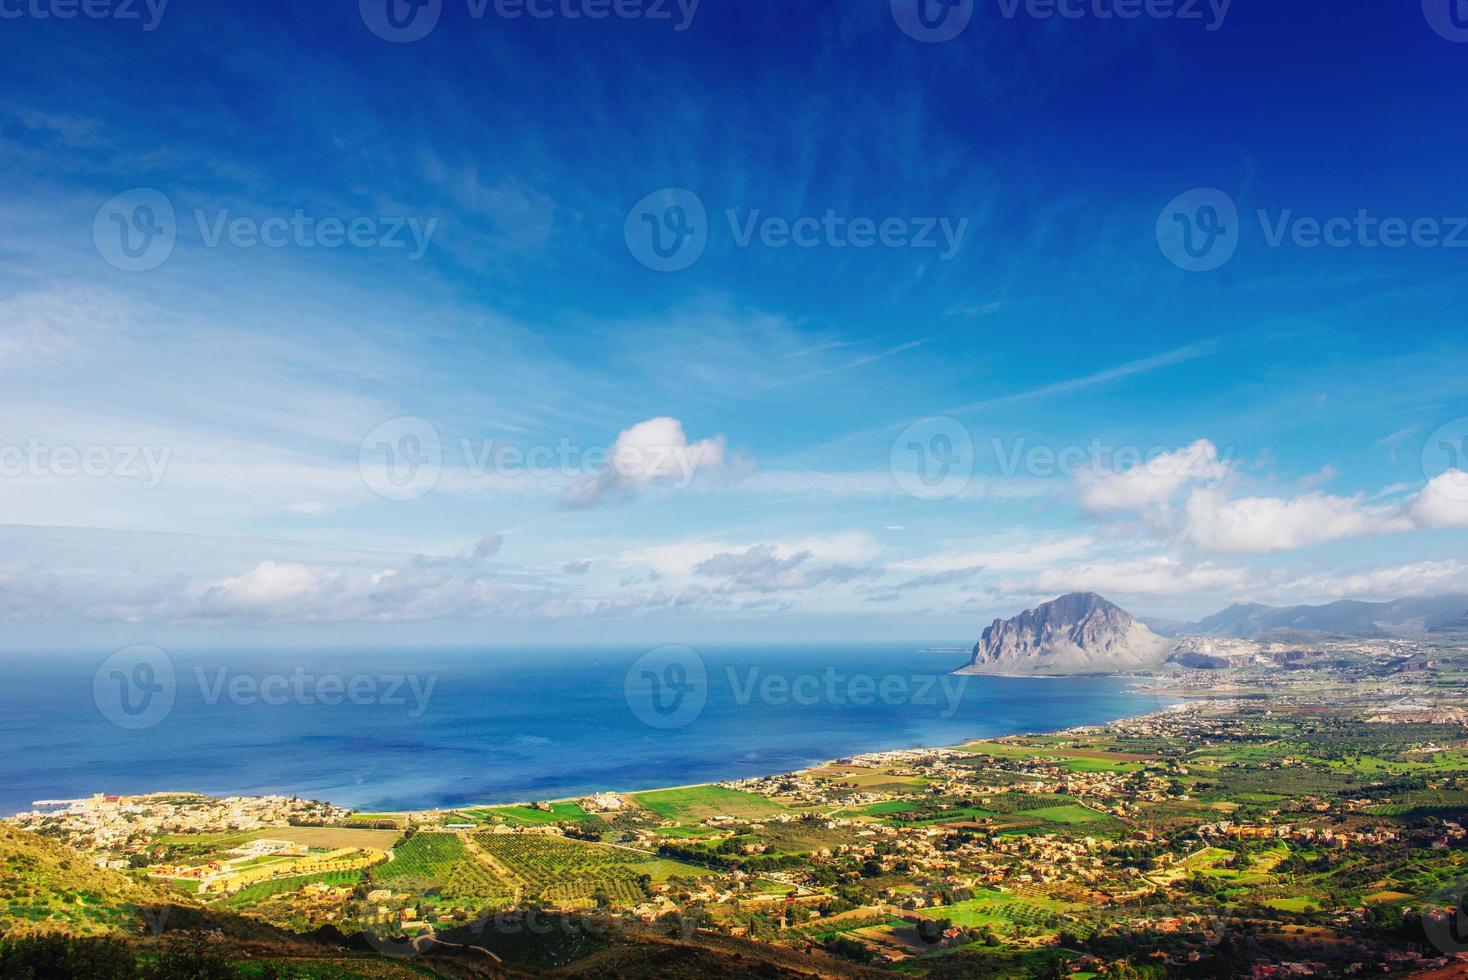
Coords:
pixel 115 827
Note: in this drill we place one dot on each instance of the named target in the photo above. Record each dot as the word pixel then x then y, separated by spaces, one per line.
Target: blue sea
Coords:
pixel 379 730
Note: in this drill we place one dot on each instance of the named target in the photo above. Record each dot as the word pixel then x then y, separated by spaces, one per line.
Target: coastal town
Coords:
pixel 1310 822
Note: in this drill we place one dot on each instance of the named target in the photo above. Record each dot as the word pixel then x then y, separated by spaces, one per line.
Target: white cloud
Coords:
pixel 1186 497
pixel 487 547
pixel 1156 575
pixel 1260 525
pixel 43 325
pixel 1025 552
pixel 1388 582
pixel 679 559
pixel 1154 481
pixel 1443 502
pixel 762 569
pixel 651 454
pixel 296 592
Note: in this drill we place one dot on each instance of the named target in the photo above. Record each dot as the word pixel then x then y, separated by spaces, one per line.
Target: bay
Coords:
pixel 416 729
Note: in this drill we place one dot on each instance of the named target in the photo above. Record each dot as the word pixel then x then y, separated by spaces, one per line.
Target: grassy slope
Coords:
pixel 46 886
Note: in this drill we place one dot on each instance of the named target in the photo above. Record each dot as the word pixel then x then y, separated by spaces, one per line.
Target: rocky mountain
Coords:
pixel 1348 617
pixel 1080 633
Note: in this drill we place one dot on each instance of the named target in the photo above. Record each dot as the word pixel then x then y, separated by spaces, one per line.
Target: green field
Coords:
pixel 279 886
pixel 1068 813
pixel 572 873
pixel 701 802
pixel 923 814
pixel 1293 904
pixel 996 909
pixel 527 816
pixel 422 861
pixel 1072 760
pixel 887 807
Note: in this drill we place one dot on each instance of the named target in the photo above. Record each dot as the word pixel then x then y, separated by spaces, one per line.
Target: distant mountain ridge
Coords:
pixel 1079 633
pixel 1084 633
pixel 1349 617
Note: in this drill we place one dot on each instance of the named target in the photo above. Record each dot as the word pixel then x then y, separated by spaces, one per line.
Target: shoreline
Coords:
pixel 1179 702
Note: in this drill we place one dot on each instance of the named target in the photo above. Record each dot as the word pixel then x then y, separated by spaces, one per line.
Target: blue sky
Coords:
pixel 1030 296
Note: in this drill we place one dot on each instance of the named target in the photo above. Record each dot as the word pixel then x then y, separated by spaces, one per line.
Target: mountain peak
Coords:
pixel 1077 633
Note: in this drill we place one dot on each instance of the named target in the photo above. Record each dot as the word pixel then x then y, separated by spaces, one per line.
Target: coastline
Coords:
pixel 1179 702
pixel 397 780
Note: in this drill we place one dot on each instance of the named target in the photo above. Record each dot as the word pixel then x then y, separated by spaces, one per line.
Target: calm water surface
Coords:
pixel 499 726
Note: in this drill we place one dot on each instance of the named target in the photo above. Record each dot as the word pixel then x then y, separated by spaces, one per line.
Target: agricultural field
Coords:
pixel 1004 911
pixel 1071 759
pixel 527 816
pixel 696 803
pixel 251 894
pixel 573 873
pixel 331 838
pixel 1065 813
pixel 421 862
